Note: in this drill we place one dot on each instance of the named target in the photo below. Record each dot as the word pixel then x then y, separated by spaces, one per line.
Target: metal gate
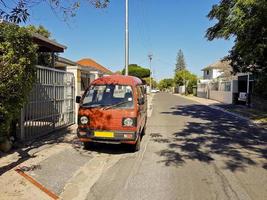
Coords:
pixel 50 105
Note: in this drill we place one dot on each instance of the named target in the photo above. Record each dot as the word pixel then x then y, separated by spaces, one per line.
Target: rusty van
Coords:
pixel 113 109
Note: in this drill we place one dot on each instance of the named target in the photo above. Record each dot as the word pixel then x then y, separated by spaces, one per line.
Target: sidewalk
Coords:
pixel 235 110
pixel 39 158
pixel 207 102
pixel 28 158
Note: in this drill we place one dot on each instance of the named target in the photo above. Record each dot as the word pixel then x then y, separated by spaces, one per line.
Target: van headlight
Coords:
pixel 129 121
pixel 84 120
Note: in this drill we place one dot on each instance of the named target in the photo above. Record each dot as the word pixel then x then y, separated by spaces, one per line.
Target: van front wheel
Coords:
pixel 136 147
pixel 88 145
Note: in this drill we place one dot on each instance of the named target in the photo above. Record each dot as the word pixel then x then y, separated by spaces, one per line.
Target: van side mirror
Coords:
pixel 78 99
pixel 141 101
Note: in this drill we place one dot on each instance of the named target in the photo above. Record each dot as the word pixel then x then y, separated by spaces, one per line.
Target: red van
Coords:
pixel 113 109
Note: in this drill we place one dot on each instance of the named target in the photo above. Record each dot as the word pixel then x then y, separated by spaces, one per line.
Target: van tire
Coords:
pixel 143 130
pixel 136 147
pixel 88 145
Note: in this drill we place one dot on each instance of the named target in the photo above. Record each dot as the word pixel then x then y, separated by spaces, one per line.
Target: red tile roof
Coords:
pixel 118 79
pixel 87 62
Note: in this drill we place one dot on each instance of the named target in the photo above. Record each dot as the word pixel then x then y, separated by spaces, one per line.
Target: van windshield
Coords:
pixel 119 96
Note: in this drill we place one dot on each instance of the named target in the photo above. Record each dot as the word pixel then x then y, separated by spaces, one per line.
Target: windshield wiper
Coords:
pixel 115 105
pixel 93 105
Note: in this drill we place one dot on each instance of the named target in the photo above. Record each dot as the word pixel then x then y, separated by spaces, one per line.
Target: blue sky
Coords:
pixel 160 27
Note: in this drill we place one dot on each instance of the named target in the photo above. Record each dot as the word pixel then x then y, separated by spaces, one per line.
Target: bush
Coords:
pixel 165 83
pixel 184 77
pixel 17 73
pixel 260 86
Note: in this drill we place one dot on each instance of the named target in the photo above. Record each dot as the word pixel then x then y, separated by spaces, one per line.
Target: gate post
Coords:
pixel 54 100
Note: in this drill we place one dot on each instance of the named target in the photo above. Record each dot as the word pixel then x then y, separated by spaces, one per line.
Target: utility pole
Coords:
pixel 150 77
pixel 126 36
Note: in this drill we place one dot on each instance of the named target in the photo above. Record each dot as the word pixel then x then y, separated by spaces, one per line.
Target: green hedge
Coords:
pixel 17 73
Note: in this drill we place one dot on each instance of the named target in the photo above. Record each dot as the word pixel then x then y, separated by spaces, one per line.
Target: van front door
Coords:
pixel 142 108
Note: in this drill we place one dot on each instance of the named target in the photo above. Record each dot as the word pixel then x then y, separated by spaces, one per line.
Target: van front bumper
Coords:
pixel 113 136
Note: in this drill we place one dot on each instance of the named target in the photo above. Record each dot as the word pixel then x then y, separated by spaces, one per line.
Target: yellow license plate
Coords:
pixel 104 134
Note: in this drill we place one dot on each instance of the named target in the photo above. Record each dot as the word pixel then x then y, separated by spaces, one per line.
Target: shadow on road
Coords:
pixel 209 133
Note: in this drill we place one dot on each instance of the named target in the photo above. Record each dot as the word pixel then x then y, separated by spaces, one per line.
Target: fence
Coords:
pixel 221 86
pixel 225 86
pixel 220 90
pixel 202 90
pixel 50 105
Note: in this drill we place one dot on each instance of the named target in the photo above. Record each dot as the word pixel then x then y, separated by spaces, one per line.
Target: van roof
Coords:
pixel 117 79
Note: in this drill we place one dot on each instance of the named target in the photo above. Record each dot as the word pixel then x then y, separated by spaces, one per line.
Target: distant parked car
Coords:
pixel 154 91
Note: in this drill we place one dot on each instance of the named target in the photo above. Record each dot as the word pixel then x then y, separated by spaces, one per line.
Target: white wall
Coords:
pixel 213 73
pixel 222 96
pixel 75 70
pixel 234 86
pixel 216 73
pixel 181 89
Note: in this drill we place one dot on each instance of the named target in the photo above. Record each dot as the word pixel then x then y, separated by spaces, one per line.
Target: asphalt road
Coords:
pixel 190 151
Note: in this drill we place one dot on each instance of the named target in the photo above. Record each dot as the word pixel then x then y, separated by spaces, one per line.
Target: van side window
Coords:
pixel 140 92
pixel 143 90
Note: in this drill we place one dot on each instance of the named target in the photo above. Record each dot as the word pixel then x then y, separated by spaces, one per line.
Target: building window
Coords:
pixel 208 72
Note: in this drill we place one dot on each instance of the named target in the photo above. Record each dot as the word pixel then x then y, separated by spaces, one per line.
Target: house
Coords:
pixel 218 83
pixel 88 62
pixel 219 69
pixel 85 71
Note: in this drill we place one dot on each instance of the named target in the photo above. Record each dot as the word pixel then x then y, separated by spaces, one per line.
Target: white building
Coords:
pixel 218 83
pixel 216 70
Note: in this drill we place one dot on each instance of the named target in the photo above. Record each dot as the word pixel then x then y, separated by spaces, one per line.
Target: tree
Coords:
pixel 154 83
pixel 40 30
pixel 184 77
pixel 18 10
pixel 17 73
pixel 138 71
pixel 44 58
pixel 180 62
pixel 165 83
pixel 246 22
